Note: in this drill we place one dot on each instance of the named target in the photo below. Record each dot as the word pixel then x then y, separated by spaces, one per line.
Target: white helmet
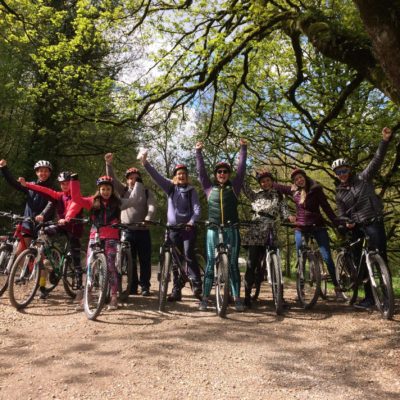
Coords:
pixel 43 163
pixel 340 162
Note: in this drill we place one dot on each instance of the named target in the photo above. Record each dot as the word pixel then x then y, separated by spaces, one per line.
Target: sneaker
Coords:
pixel 247 302
pixel 44 293
pixel 203 305
pixel 239 306
pixel 339 294
pixel 134 292
pixel 175 296
pixel 113 303
pixel 365 304
pixel 145 292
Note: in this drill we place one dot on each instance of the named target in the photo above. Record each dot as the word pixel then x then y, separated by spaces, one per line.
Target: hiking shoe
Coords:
pixel 239 306
pixel 365 304
pixel 203 305
pixel 175 296
pixel 113 303
pixel 44 293
pixel 247 302
pixel 145 292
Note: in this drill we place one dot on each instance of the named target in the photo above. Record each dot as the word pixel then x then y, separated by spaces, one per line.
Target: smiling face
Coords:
pixel 222 175
pixel 181 177
pixel 64 186
pixel 131 180
pixel 266 183
pixel 105 191
pixel 43 173
pixel 343 174
pixel 299 180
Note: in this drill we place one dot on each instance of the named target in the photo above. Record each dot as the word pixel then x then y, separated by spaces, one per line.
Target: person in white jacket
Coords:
pixel 138 236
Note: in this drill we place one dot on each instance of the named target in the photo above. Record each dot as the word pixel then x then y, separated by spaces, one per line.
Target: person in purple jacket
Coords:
pixel 183 208
pixel 309 198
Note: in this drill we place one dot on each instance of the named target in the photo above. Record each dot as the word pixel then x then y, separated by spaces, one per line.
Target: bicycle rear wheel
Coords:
pixel 165 277
pixel 276 283
pixel 308 283
pixel 221 272
pixel 324 277
pixel 96 286
pixel 125 278
pixel 381 286
pixel 54 275
pixel 6 252
pixel 69 277
pixel 346 275
pixel 24 279
pixel 200 261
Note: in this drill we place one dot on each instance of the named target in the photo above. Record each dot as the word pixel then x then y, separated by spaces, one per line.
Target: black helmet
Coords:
pixel 64 176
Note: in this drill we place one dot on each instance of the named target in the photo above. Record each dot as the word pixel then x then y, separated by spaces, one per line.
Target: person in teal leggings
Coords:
pixel 222 197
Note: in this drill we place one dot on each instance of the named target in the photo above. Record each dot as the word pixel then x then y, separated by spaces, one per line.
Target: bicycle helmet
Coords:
pixel 131 170
pixel 220 165
pixel 43 163
pixel 297 171
pixel 340 162
pixel 105 180
pixel 264 174
pixel 178 167
pixel 64 176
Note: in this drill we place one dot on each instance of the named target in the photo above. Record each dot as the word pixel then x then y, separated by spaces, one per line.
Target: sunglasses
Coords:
pixel 342 171
pixel 222 171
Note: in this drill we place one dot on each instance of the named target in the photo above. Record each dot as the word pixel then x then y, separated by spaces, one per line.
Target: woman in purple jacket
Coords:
pixel 183 208
pixel 309 198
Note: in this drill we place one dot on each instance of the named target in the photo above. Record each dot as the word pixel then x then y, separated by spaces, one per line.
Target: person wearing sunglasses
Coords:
pixel 357 203
pixel 222 197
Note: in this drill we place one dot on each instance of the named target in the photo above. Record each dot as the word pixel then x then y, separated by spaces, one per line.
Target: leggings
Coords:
pixel 232 240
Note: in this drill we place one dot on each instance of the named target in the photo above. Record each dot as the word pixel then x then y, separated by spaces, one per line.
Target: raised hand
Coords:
pixel 22 181
pixel 3 163
pixel 386 133
pixel 109 158
pixel 243 142
pixel 199 146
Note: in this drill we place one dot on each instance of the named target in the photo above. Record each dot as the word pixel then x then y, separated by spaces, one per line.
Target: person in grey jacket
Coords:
pixel 360 208
pixel 183 208
pixel 138 236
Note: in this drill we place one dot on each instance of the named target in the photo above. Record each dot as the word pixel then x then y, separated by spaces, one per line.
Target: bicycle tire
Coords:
pixel 276 284
pixel 165 277
pixel 308 280
pixel 69 277
pixel 221 272
pixel 55 260
pixel 346 275
pixel 24 279
pixel 259 276
pixel 201 262
pixel 96 286
pixel 6 252
pixel 126 275
pixel 383 291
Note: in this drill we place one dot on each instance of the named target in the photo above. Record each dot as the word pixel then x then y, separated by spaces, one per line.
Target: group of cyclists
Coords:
pixel 133 204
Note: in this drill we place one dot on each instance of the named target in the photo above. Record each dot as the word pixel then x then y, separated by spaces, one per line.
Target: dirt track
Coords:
pixel 52 352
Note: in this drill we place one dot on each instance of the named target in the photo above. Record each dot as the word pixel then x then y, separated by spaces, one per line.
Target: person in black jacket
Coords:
pixel 358 204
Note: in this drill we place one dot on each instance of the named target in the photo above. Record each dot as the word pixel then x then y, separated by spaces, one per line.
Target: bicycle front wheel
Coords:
pixel 24 279
pixel 96 286
pixel 308 283
pixel 69 277
pixel 165 277
pixel 276 283
pixel 381 284
pixel 221 272
pixel 54 274
pixel 5 256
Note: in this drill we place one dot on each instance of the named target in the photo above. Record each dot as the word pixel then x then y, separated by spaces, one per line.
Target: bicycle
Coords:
pixel 371 267
pixel 308 266
pixel 8 248
pixel 270 268
pixel 171 259
pixel 29 266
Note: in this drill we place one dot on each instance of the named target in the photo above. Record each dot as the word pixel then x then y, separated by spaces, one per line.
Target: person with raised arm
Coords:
pixel 360 208
pixel 222 197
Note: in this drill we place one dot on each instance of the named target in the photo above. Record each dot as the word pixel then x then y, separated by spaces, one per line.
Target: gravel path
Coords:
pixel 50 351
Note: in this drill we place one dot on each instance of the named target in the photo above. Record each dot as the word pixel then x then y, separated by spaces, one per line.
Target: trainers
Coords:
pixel 365 304
pixel 145 292
pixel 339 294
pixel 247 302
pixel 44 293
pixel 203 305
pixel 175 296
pixel 113 303
pixel 239 306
